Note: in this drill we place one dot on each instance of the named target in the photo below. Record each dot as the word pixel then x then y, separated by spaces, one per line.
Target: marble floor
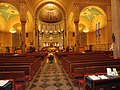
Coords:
pixel 52 77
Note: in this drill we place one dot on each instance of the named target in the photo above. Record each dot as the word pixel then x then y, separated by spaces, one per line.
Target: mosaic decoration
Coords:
pixel 50 14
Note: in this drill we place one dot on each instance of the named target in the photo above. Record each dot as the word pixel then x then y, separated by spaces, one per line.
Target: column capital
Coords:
pixel 77 21
pixel 23 21
pixel 35 18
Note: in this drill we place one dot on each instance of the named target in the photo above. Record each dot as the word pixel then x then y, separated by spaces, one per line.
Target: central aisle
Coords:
pixel 52 77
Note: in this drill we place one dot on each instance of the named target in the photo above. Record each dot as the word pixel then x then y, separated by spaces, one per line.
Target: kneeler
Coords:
pixel 82 82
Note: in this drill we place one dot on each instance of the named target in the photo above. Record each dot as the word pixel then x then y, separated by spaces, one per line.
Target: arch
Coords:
pixel 29 23
pixel 29 27
pixel 29 17
pixel 93 14
pixel 42 3
pixel 2 23
pixel 70 22
pixel 10 23
pixel 9 13
pixel 84 24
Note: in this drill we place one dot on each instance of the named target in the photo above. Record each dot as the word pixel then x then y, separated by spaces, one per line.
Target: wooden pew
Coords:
pixel 80 58
pixel 35 62
pixel 26 68
pixel 18 76
pixel 78 63
pixel 95 70
pixel 29 65
pixel 86 54
pixel 17 63
pixel 74 66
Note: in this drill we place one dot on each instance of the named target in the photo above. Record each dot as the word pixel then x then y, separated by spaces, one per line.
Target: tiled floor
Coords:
pixel 52 77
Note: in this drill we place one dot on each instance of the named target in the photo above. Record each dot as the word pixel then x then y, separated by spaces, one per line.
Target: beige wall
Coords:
pixel 5 41
pixel 91 38
pixel 29 39
pixel 105 39
pixel 71 39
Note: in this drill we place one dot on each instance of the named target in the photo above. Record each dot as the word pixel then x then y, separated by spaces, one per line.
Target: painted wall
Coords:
pixel 105 39
pixel 5 41
pixel 71 40
pixel 29 38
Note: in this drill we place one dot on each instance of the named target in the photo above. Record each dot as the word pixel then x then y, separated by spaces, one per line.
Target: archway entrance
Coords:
pixel 9 30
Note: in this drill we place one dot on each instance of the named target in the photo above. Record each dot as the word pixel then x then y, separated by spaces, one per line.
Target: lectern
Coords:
pixel 5 85
pixel 102 82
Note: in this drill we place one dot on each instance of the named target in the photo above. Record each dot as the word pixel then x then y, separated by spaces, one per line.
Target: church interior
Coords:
pixel 59 44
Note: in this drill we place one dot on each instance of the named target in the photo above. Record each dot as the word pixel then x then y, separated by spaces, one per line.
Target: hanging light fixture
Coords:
pixel 12 30
pixel 85 30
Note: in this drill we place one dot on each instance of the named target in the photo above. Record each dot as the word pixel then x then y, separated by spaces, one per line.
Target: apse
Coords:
pixel 50 13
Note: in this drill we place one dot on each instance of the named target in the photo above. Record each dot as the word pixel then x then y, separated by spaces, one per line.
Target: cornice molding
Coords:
pixel 22 1
pixel 23 21
pixel 101 2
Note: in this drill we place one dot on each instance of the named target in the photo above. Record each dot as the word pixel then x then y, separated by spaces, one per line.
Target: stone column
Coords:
pixel 115 5
pixel 76 21
pixel 77 36
pixel 108 28
pixel 36 35
pixel 23 45
pixel 65 39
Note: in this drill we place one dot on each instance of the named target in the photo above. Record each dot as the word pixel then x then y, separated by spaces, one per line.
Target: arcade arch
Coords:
pixel 92 22
pixel 11 27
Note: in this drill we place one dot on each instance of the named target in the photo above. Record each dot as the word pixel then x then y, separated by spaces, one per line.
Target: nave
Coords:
pixel 52 77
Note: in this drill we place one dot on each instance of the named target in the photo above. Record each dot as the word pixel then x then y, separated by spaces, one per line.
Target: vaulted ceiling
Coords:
pixel 49 13
pixel 88 18
pixel 8 11
pixel 10 18
pixel 91 15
